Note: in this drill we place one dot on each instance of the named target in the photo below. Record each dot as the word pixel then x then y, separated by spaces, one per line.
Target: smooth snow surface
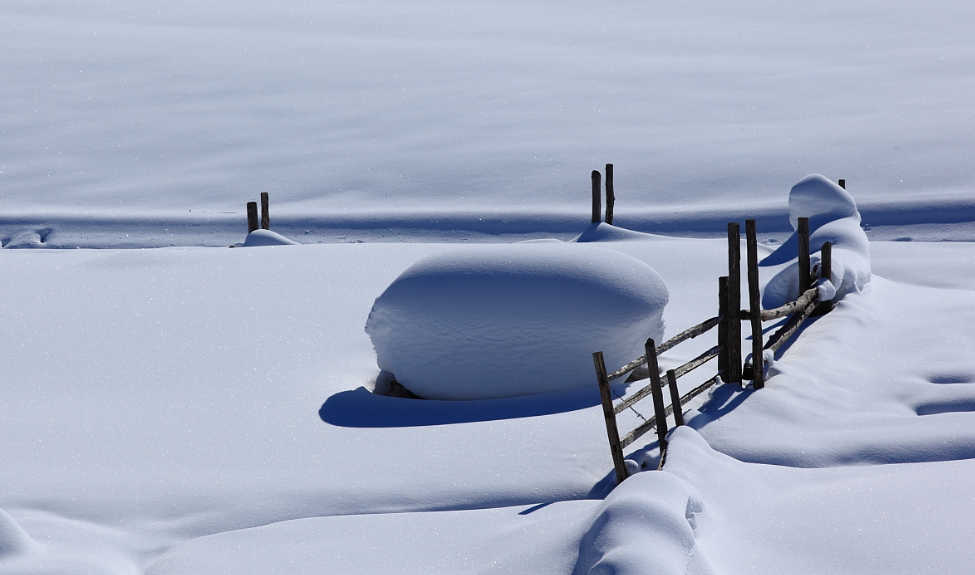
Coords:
pixel 266 238
pixel 510 320
pixel 833 217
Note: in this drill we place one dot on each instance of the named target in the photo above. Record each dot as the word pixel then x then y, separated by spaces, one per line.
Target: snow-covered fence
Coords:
pixel 813 300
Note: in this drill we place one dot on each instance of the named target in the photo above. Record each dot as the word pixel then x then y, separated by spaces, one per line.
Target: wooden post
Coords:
pixel 265 216
pixel 610 194
pixel 826 272
pixel 805 279
pixel 755 306
pixel 610 416
pixel 659 411
pixel 675 398
pixel 251 216
pixel 734 303
pixel 842 183
pixel 597 207
pixel 723 326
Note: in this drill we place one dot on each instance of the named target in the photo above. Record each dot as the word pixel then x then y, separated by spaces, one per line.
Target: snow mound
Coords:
pixel 833 217
pixel 646 525
pixel 509 320
pixel 13 539
pixel 267 238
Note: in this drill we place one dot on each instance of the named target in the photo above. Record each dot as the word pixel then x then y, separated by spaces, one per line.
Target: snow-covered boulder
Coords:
pixel 508 320
pixel 833 217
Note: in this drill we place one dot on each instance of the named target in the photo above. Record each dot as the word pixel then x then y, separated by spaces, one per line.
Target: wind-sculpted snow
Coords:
pixel 833 217
pixel 646 525
pixel 266 238
pixel 503 321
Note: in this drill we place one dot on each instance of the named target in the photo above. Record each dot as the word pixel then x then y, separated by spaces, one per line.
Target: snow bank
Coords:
pixel 266 238
pixel 13 539
pixel 833 217
pixel 510 320
pixel 646 525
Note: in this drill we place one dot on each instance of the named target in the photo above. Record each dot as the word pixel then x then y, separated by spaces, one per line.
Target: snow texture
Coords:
pixel 266 238
pixel 504 321
pixel 833 217
pixel 13 539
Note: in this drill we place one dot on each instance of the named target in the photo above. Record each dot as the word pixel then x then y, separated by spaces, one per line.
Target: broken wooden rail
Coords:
pixel 731 369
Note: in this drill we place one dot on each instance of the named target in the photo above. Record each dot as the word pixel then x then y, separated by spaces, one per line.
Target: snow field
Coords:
pixel 164 409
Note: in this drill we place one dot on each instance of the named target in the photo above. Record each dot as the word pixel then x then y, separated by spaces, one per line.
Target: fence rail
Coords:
pixel 731 369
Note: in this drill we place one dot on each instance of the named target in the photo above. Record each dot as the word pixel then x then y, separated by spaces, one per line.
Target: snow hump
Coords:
pixel 833 217
pixel 497 321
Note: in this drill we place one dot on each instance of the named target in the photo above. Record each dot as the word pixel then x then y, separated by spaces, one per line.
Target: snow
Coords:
pixel 509 320
pixel 266 238
pixel 194 408
pixel 833 217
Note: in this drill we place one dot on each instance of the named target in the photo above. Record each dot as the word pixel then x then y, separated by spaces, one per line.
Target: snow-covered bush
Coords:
pixel 833 217
pixel 509 320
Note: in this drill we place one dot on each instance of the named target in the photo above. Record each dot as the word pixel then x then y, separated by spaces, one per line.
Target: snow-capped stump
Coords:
pixel 518 319
pixel 267 238
pixel 833 217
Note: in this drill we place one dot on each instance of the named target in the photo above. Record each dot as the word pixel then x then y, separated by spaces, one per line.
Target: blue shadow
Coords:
pixel 362 408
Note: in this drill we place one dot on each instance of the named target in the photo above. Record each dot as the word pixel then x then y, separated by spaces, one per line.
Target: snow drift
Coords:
pixel 833 217
pixel 511 320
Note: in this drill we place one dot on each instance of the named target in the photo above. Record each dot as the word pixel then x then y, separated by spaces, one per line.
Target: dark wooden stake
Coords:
pixel 723 326
pixel 610 194
pixel 734 303
pixel 597 207
pixel 754 305
pixel 265 215
pixel 805 278
pixel 610 416
pixel 842 183
pixel 675 398
pixel 659 410
pixel 251 216
pixel 826 272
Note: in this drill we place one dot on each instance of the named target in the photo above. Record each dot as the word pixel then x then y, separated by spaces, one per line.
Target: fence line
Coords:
pixel 731 369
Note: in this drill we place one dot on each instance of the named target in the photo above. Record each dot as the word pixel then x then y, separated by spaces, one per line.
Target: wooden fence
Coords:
pixel 730 368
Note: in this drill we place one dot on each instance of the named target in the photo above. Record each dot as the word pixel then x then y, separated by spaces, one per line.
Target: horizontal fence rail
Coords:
pixel 730 369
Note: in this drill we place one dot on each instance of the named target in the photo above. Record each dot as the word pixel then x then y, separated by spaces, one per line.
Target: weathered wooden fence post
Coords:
pixel 675 398
pixel 659 411
pixel 265 216
pixel 610 194
pixel 734 304
pixel 826 272
pixel 597 207
pixel 251 216
pixel 723 326
pixel 805 277
pixel 610 416
pixel 754 305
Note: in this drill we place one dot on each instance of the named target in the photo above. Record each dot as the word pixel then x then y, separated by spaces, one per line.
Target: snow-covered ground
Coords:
pixel 197 409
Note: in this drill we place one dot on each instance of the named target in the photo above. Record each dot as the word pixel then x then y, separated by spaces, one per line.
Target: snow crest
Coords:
pixel 13 539
pixel 833 217
pixel 511 320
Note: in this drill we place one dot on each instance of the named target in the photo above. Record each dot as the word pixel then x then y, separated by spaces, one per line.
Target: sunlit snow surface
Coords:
pixel 168 409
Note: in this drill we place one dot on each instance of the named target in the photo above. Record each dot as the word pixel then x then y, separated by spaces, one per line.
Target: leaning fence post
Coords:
pixel 597 207
pixel 610 194
pixel 251 216
pixel 659 410
pixel 755 306
pixel 675 398
pixel 734 304
pixel 610 416
pixel 265 216
pixel 805 279
pixel 723 326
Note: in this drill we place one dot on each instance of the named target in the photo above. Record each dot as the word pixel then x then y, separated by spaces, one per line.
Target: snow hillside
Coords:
pixel 195 410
